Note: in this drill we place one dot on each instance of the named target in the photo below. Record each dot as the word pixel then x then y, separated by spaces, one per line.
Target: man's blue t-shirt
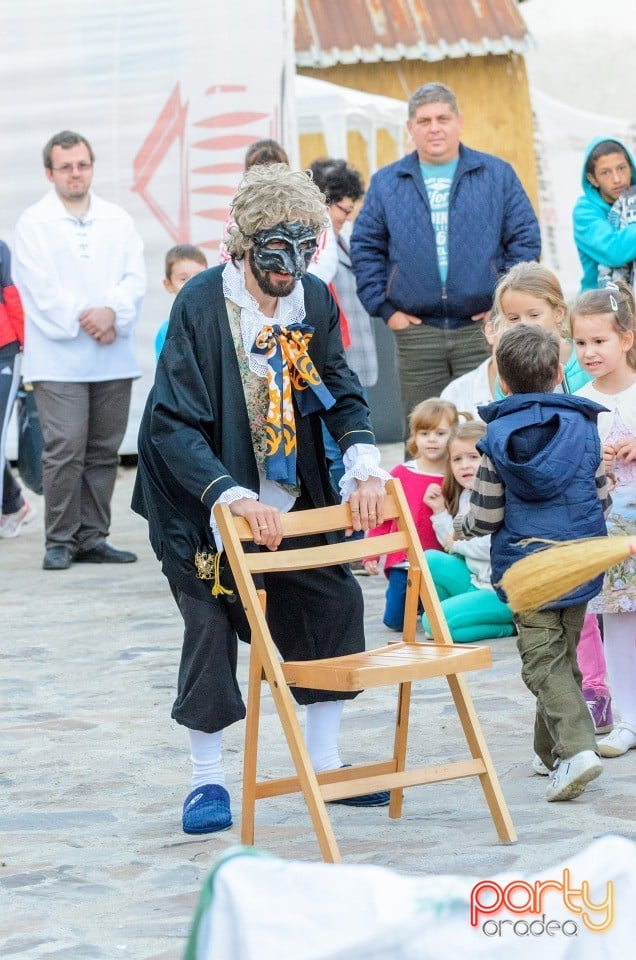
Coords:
pixel 438 179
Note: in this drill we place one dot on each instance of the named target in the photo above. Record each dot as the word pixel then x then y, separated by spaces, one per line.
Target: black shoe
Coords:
pixel 380 799
pixel 104 553
pixel 57 558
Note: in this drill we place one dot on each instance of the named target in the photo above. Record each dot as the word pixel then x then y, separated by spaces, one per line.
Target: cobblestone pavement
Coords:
pixel 93 860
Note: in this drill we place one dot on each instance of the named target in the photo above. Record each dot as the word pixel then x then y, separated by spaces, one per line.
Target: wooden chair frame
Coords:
pixel 399 663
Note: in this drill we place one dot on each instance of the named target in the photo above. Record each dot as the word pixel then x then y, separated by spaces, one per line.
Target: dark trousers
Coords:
pixel 83 425
pixel 547 642
pixel 311 614
pixel 428 358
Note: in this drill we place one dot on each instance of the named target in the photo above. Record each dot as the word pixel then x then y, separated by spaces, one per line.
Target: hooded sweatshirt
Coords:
pixel 597 241
pixel 538 478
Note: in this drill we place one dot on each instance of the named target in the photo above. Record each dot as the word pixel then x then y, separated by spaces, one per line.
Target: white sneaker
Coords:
pixel 570 777
pixel 620 740
pixel 11 523
pixel 539 766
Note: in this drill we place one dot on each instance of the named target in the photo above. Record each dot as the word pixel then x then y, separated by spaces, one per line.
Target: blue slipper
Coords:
pixel 380 799
pixel 207 810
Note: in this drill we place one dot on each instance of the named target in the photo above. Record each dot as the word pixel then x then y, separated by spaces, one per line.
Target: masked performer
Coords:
pixel 230 419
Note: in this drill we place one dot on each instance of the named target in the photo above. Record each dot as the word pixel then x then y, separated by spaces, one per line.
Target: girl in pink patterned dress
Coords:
pixel 604 333
pixel 431 424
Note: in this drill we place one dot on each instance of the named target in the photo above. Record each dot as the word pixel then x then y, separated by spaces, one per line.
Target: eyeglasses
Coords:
pixel 82 167
pixel 342 209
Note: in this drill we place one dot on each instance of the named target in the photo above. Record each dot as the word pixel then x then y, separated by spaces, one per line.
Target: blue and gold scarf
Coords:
pixel 291 374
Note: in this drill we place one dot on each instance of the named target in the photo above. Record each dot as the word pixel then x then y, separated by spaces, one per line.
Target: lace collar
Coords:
pixel 290 310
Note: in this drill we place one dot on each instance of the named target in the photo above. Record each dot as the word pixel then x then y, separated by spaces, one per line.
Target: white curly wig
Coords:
pixel 269 195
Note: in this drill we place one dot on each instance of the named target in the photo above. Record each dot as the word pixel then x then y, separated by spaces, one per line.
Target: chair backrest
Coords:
pixel 235 531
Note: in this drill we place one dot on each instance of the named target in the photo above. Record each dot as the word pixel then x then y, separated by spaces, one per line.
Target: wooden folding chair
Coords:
pixel 396 664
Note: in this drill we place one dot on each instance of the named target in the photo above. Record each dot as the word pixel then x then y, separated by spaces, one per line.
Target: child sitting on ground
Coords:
pixel 472 609
pixel 182 263
pixel 431 424
pixel 541 477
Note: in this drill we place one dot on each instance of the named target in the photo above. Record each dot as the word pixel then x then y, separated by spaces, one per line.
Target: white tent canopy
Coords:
pixel 333 111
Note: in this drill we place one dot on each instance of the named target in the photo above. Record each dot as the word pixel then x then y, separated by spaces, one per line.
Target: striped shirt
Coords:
pixel 488 502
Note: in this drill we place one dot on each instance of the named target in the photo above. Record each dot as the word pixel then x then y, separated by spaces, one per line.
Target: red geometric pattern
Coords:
pixel 169 127
pixel 216 179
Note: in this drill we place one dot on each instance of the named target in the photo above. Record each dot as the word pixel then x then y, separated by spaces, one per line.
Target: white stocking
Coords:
pixel 620 654
pixel 205 753
pixel 322 726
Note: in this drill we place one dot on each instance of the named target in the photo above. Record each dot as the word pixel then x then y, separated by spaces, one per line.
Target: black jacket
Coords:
pixel 194 439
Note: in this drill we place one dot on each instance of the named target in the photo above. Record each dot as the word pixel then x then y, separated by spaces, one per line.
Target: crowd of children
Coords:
pixel 558 397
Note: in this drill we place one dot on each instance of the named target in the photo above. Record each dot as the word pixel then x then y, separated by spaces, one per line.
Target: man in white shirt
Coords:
pixel 80 269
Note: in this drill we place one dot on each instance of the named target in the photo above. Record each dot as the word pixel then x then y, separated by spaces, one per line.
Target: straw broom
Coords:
pixel 547 575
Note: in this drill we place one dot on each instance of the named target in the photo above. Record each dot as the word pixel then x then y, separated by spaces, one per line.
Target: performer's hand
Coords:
pixel 372 568
pixel 264 521
pixel 485 316
pixel 367 505
pixel 433 498
pixel 625 450
pixel 400 320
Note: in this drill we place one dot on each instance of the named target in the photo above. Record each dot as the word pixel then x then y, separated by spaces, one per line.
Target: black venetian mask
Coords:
pixel 285 248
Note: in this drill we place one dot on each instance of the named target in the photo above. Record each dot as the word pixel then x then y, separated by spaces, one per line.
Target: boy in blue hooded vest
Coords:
pixel 541 475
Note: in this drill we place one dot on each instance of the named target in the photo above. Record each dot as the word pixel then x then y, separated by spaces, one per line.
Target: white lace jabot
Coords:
pixel 290 310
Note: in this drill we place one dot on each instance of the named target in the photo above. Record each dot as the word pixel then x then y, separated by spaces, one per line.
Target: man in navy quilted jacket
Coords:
pixel 437 230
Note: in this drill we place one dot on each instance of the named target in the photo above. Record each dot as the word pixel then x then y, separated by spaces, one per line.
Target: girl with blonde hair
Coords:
pixel 604 330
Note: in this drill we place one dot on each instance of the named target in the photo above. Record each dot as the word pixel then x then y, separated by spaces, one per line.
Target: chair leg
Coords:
pixel 306 774
pixel 479 749
pixel 250 757
pixel 411 606
pixel 400 745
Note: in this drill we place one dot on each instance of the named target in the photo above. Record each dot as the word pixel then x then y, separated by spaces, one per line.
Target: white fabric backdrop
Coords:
pixel 169 95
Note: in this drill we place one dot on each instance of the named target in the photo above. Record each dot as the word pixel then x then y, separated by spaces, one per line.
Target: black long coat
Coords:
pixel 194 439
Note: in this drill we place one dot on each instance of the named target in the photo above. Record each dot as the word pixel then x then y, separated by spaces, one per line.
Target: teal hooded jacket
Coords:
pixel 596 240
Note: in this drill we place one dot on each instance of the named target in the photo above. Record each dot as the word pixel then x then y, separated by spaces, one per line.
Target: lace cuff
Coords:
pixel 361 461
pixel 229 496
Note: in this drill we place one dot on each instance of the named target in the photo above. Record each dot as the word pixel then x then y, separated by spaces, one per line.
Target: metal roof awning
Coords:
pixel 330 32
